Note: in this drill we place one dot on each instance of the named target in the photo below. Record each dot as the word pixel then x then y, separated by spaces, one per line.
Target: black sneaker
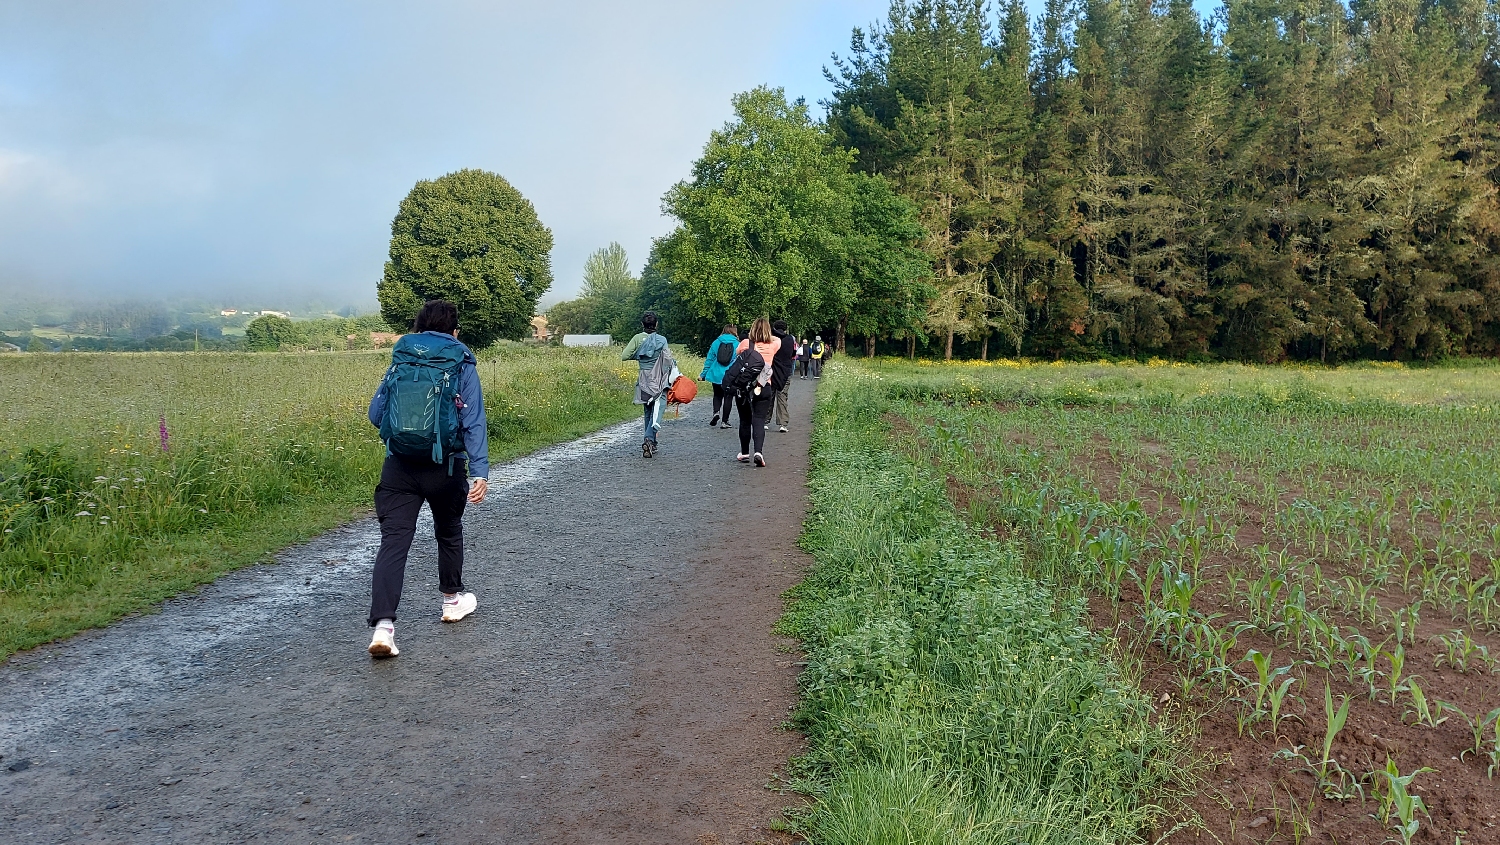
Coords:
pixel 760 460
pixel 648 449
pixel 713 422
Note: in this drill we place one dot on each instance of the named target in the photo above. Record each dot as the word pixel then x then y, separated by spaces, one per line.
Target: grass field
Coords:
pixel 1301 563
pixel 125 478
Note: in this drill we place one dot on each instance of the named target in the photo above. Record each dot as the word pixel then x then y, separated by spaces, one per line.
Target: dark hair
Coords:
pixel 731 328
pixel 648 321
pixel 437 315
pixel 780 326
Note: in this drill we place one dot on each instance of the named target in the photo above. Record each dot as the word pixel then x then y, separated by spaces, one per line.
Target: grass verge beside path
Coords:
pixel 949 698
pixel 102 515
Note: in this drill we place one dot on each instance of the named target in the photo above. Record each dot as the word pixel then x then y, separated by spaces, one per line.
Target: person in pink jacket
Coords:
pixel 755 409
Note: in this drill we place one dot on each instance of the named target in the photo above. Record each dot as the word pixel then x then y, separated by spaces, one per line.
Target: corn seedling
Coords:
pixel 1396 800
pixel 1460 652
pixel 1404 621
pixel 1421 710
pixel 1394 684
pixel 1335 782
pixel 1477 725
pixel 1494 752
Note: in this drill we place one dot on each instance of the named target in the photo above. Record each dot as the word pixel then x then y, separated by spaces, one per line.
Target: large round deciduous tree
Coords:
pixel 472 239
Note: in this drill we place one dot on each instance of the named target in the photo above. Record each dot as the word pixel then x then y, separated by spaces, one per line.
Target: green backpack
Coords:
pixel 421 398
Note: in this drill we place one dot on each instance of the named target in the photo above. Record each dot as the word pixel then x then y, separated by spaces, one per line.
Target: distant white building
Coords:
pixel 586 340
pixel 9 347
pixel 228 312
pixel 285 315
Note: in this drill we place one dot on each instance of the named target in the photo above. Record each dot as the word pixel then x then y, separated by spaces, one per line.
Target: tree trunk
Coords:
pixel 838 338
pixel 948 350
pixel 911 347
pixel 984 347
pixel 870 346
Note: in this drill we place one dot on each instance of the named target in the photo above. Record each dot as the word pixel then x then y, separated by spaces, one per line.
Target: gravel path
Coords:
pixel 618 683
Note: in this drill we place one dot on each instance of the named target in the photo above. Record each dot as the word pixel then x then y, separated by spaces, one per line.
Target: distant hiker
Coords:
pixel 720 356
pixel 804 358
pixel 430 413
pixel 649 349
pixel 781 373
pixel 818 354
pixel 754 396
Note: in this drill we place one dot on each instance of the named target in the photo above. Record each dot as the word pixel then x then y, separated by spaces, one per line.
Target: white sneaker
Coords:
pixel 742 458
pixel 383 644
pixel 760 460
pixel 461 605
pixel 783 429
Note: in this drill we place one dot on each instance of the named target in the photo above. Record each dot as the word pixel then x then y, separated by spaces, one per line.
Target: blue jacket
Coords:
pixel 713 371
pixel 471 420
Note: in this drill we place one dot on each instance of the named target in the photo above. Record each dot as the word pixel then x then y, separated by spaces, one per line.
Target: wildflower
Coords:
pixel 163 430
pixel 83 513
pixel 202 510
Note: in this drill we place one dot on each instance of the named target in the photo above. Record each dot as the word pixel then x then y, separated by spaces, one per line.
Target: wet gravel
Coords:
pixel 617 684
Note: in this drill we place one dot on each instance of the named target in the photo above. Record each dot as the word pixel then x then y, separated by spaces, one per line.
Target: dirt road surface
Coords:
pixel 618 684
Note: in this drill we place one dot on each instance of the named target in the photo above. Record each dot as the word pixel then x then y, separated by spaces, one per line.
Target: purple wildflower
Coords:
pixel 163 432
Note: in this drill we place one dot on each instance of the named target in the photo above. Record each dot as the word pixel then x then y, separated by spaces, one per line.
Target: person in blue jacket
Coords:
pixel 407 482
pixel 721 353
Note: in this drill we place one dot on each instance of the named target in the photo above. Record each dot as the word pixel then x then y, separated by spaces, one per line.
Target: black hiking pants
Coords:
pixel 724 398
pixel 404 485
pixel 753 417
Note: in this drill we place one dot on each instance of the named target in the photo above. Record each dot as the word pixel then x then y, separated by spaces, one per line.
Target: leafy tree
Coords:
pixel 677 320
pixel 763 219
pixel 471 238
pixel 608 303
pixel 940 104
pixel 572 316
pixel 36 345
pixel 607 283
pixel 892 276
pixel 269 332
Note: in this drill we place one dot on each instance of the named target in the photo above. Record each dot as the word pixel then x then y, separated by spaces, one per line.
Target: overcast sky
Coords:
pixel 254 152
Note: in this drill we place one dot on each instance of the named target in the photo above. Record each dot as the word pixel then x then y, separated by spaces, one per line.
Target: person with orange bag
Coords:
pixel 649 349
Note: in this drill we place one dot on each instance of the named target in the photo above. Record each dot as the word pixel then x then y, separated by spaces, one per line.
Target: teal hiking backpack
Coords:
pixel 421 398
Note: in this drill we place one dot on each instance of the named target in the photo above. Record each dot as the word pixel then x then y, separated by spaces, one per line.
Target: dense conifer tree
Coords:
pixel 1296 178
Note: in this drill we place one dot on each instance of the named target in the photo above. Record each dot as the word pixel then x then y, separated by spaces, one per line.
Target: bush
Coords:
pixel 269 333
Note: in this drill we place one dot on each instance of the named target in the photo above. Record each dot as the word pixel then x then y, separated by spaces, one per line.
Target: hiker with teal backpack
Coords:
pixel 720 356
pixel 430 413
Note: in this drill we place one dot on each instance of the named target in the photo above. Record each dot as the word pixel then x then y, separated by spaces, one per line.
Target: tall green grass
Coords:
pixel 948 698
pixel 1162 383
pixel 262 450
